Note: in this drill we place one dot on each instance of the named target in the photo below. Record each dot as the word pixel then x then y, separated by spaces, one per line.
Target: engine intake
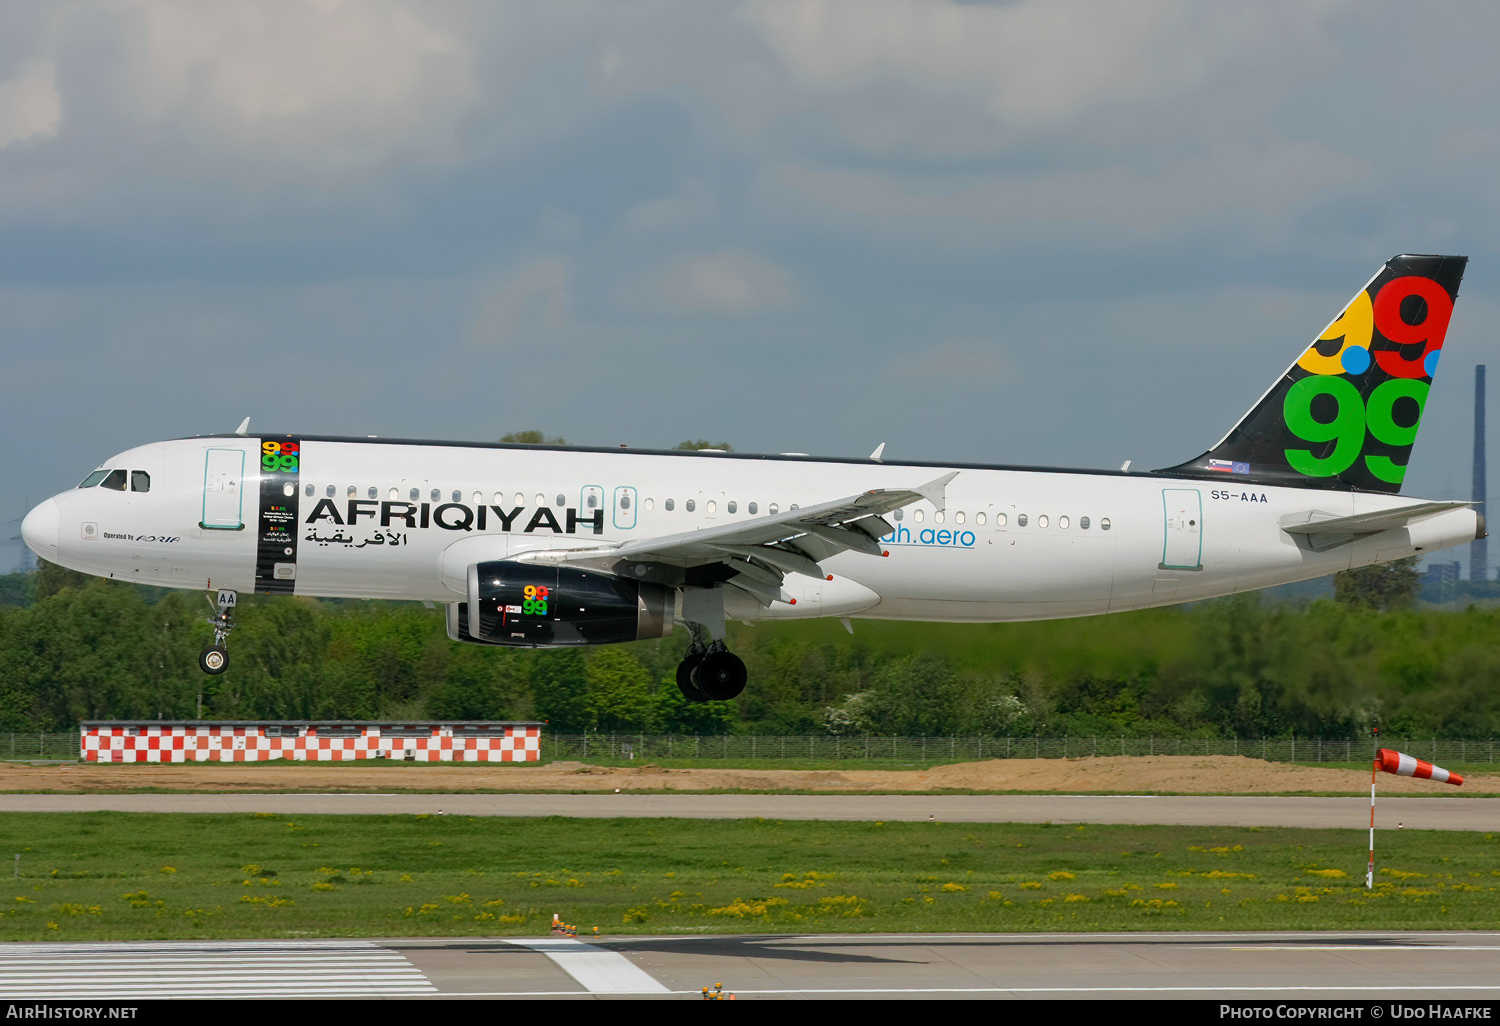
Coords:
pixel 530 606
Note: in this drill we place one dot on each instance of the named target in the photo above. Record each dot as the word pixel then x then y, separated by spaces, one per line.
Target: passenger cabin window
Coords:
pixel 414 494
pixel 309 490
pixel 670 504
pixel 140 481
pixel 979 518
pixel 1021 520
pixel 1083 523
pixel 691 505
pixel 373 492
pixel 353 492
pixel 999 519
pixel 898 515
pixel 93 479
pixel 917 515
pixel 458 496
pixel 752 509
pixel 593 500
pixel 1104 524
pixel 435 495
pixel 734 507
pixel 115 481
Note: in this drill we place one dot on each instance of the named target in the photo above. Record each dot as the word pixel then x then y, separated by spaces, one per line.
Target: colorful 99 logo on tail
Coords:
pixel 1346 414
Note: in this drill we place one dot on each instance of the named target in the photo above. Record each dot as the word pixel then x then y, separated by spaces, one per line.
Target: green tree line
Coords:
pixel 85 648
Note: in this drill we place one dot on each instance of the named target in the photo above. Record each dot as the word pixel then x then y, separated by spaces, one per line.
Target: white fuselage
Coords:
pixel 403 520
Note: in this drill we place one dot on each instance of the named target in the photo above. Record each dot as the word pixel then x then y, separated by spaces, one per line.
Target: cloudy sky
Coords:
pixel 1060 233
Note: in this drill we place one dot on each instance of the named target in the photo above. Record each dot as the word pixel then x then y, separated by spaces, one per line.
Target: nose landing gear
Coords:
pixel 215 658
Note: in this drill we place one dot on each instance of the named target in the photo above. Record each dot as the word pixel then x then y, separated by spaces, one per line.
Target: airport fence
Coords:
pixel 922 749
pixel 23 745
pixel 37 745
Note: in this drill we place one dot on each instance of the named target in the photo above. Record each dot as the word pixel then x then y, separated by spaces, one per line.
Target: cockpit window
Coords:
pixel 140 481
pixel 93 479
pixel 115 480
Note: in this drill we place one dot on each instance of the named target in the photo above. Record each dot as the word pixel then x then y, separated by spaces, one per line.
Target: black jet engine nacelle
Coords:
pixel 527 605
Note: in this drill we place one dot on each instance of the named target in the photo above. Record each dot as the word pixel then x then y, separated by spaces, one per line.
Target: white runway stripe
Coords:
pixel 208 969
pixel 599 970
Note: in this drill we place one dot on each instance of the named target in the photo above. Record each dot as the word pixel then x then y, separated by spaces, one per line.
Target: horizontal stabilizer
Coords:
pixel 1314 523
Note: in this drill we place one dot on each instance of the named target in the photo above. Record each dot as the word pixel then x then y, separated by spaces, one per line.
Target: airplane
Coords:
pixel 549 546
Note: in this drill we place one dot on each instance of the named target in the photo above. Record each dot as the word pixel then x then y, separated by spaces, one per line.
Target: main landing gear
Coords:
pixel 710 672
pixel 215 658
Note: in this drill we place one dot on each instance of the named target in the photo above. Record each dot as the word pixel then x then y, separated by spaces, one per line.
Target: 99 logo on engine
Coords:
pixel 535 600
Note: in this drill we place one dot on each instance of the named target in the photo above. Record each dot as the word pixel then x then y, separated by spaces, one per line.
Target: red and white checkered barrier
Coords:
pixel 310 742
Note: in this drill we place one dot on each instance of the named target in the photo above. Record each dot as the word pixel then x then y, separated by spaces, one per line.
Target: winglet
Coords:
pixel 244 426
pixel 935 491
pixel 878 450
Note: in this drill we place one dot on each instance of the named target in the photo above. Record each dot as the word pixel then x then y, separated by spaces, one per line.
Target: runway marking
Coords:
pixel 208 969
pixel 599 970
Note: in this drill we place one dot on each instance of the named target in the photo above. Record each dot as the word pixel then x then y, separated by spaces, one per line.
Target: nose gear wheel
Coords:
pixel 214 659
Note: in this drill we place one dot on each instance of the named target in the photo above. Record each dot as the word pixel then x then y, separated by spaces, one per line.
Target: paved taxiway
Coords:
pixel 1445 813
pixel 1225 966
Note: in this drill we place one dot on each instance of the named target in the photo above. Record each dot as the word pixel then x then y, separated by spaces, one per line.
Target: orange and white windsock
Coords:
pixel 1406 766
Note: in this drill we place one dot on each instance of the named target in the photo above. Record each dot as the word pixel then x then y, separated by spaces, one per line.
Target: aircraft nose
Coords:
pixel 40 529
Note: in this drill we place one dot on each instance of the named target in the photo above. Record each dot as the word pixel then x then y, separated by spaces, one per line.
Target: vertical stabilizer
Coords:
pixel 1346 413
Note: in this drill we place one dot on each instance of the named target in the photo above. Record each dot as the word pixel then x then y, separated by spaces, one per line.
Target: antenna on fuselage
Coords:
pixel 1125 467
pixel 244 426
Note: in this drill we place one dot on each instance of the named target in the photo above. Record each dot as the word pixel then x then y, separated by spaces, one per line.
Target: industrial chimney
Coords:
pixel 1479 560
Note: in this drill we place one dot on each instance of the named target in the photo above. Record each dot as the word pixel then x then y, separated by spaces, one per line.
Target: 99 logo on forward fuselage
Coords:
pixel 1340 403
pixel 279 456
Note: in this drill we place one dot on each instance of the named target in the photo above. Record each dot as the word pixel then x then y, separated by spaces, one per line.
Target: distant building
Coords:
pixel 1440 583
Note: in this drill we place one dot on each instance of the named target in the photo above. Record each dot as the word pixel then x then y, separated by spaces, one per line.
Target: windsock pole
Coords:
pixel 1370 873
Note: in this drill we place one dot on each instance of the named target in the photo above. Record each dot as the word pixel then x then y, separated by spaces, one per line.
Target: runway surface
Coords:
pixel 1445 813
pixel 1227 966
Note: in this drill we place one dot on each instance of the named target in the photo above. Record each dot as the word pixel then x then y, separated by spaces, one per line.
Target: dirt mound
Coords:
pixel 1184 774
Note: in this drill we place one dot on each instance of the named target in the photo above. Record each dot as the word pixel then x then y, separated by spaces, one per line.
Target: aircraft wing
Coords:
pixel 757 554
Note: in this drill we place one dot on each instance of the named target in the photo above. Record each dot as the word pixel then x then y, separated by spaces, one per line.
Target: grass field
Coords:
pixel 121 876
